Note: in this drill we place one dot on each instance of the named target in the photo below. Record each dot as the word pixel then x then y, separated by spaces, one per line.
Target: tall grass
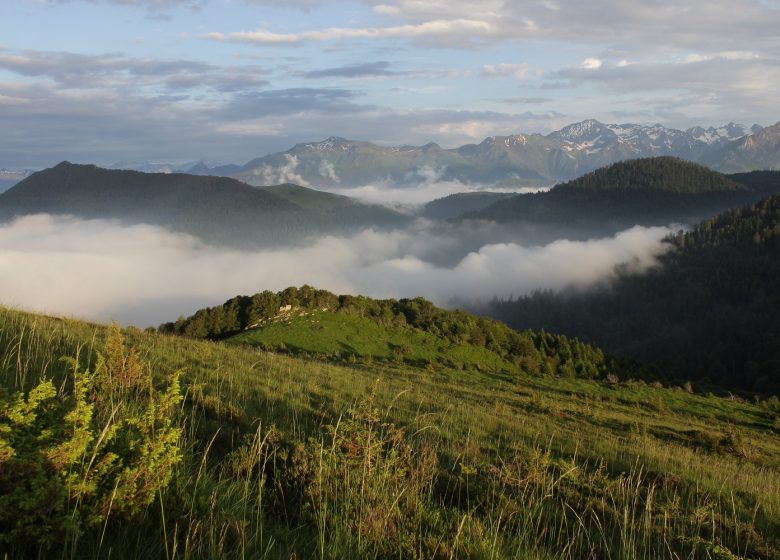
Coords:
pixel 284 457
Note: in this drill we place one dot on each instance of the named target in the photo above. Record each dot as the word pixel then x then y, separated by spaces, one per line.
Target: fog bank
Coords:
pixel 144 275
pixel 424 192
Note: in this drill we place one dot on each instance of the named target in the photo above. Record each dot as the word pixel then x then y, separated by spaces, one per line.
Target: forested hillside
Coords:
pixel 216 209
pixel 649 192
pixel 710 310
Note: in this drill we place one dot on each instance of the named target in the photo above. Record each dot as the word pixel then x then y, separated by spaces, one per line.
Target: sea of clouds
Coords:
pixel 145 275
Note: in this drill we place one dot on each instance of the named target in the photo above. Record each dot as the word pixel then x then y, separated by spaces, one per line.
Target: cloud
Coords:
pixel 736 83
pixel 254 104
pixel 328 171
pixel 367 69
pixel 518 71
pixel 384 194
pixel 430 188
pixel 99 269
pixel 113 71
pixel 45 124
pixel 591 64
pixel 527 100
pixel 442 30
pixel 704 24
pixel 283 174
pixel 161 6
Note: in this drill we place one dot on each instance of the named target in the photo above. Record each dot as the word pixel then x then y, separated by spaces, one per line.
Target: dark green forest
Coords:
pixel 218 210
pixel 657 174
pixel 709 311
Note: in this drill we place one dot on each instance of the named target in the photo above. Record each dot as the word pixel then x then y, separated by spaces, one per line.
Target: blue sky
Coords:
pixel 228 80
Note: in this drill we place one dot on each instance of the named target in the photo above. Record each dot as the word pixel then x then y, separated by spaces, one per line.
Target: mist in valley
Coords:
pixel 144 275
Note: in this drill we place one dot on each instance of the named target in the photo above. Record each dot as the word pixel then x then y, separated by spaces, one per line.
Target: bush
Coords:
pixel 69 461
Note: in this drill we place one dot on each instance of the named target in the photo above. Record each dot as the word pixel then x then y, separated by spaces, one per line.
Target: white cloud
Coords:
pixel 723 82
pixel 284 174
pixel 706 25
pixel 591 64
pixel 426 191
pixel 142 274
pixel 328 171
pixel 438 28
pixel 518 71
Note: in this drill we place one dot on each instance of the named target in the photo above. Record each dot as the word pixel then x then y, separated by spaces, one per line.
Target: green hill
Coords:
pixel 408 331
pixel 655 174
pixel 709 311
pixel 273 456
pixel 325 334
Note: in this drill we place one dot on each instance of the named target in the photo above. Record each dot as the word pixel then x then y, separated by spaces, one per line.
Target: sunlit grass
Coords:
pixel 288 454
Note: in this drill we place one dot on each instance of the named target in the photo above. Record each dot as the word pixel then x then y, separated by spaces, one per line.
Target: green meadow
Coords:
pixel 158 446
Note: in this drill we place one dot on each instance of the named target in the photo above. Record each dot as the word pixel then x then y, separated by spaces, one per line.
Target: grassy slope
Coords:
pixel 596 463
pixel 341 335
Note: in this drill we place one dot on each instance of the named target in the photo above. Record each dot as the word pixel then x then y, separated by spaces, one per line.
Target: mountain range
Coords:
pixel 517 160
pixel 226 212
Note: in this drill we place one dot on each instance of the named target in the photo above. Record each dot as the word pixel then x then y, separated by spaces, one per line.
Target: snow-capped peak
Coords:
pixel 329 144
pixel 722 134
pixel 580 130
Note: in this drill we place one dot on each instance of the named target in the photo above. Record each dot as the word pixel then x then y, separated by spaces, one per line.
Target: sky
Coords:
pixel 108 81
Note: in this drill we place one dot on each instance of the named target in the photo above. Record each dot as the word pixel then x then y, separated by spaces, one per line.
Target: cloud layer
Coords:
pixel 145 275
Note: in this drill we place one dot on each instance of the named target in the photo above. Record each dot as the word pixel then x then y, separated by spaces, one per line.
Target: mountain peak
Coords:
pixel 519 159
pixel 510 142
pixel 583 129
pixel 331 143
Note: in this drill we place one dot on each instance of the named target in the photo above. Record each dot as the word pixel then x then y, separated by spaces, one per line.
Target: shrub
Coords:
pixel 69 460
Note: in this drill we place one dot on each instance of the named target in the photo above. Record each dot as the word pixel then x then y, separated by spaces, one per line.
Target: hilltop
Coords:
pixel 649 192
pixel 410 331
pixel 655 174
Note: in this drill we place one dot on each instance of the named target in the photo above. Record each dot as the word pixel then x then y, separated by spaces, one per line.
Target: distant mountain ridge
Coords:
pixel 216 209
pixel 759 151
pixel 515 160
